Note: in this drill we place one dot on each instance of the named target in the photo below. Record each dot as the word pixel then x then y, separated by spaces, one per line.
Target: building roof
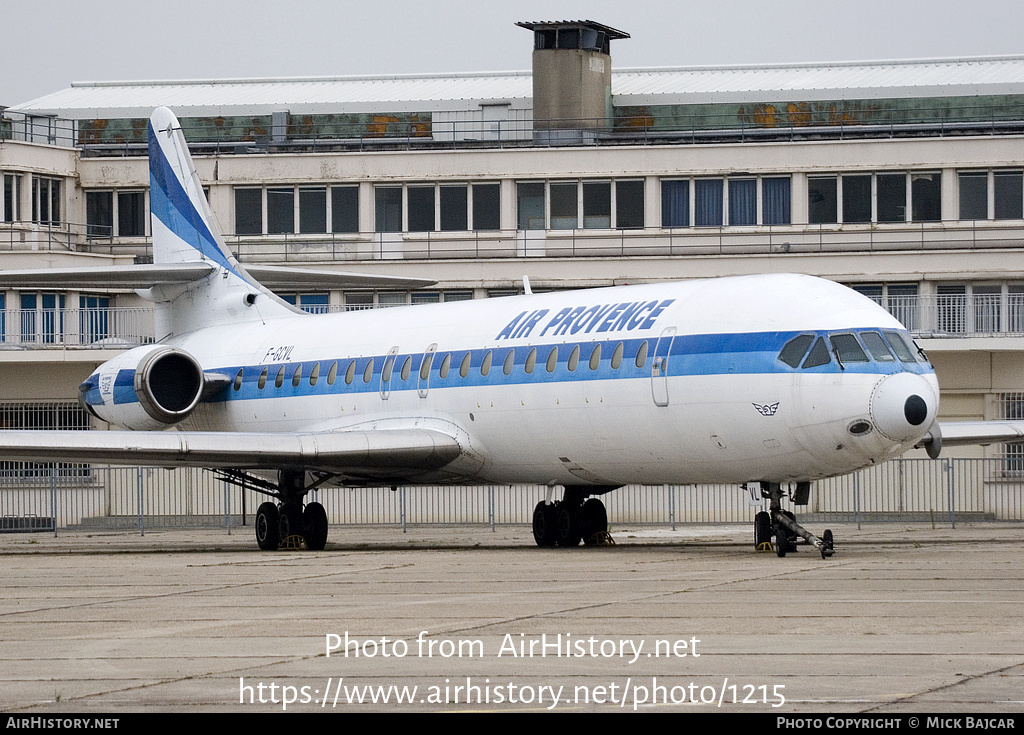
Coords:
pixel 467 91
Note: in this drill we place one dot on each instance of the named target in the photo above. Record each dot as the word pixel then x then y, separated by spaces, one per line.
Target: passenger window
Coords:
pixel 818 355
pixel 641 355
pixel 407 367
pixel 368 372
pixel 279 380
pixel 389 364
pixel 332 374
pixel 877 347
pixel 485 366
pixel 350 373
pixel 574 358
pixel 794 350
pixel 595 357
pixel 510 362
pixel 617 356
pixel 425 365
pixel 263 378
pixel 464 367
pixel 531 360
pixel 238 380
pixel 848 348
pixel 446 365
pixel 552 359
pixel 297 376
pixel 314 376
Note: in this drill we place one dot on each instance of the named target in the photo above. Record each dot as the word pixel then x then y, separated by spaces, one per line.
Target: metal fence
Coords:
pixel 944 491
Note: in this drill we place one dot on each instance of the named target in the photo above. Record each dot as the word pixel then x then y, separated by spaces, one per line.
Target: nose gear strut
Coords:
pixel 784 526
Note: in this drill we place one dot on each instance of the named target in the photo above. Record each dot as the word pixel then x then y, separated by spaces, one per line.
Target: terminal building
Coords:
pixel 901 179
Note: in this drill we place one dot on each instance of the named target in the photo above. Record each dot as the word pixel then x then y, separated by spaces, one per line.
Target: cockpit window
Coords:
pixel 899 346
pixel 848 348
pixel 877 347
pixel 794 350
pixel 818 355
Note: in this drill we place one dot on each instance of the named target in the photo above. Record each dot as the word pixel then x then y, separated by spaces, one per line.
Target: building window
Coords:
pixel 856 199
pixel 597 204
pixel 675 203
pixel 345 209
pixel 486 206
pixel 742 202
pixel 530 205
pixel 42 318
pixel 899 299
pixel 99 214
pixel 926 197
pixel 708 200
pixel 313 210
pixel 248 211
pixel 311 303
pixel 47 416
pixel 45 200
pixel 11 199
pixel 629 205
pixel 822 200
pixel 93 318
pixel 776 201
pixel 951 308
pixel 280 211
pixel 1011 407
pixel 973 194
pixel 454 208
pixel 892 197
pixel 388 208
pixel 421 209
pixel 564 205
pixel 1009 194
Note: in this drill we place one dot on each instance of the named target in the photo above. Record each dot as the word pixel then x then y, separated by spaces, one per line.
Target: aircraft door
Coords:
pixel 659 366
pixel 385 373
pixel 423 385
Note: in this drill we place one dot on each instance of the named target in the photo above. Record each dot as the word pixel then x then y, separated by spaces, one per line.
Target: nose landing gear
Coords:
pixel 783 526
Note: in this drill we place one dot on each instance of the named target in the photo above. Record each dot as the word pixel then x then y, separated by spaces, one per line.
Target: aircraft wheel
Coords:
pixel 267 523
pixel 545 524
pixel 595 521
pixel 314 521
pixel 290 522
pixel 570 525
pixel 762 529
pixel 827 546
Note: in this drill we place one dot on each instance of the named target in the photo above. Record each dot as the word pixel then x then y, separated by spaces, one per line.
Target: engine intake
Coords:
pixel 146 388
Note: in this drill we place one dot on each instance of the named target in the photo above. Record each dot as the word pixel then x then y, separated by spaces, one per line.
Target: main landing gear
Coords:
pixel 287 522
pixel 782 524
pixel 573 519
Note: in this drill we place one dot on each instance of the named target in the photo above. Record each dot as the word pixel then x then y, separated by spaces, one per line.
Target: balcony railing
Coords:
pixel 97 328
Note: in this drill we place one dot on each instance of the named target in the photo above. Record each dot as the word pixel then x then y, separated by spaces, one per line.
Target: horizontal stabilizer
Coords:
pixel 385 453
pixel 146 276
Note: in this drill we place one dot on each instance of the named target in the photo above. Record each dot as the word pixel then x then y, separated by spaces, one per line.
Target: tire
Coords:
pixel 545 524
pixel 570 525
pixel 290 522
pixel 762 529
pixel 314 521
pixel 267 527
pixel 595 521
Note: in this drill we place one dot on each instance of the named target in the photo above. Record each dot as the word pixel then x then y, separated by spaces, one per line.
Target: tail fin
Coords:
pixel 184 231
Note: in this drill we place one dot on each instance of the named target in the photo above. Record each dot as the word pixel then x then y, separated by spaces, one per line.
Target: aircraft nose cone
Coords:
pixel 903 406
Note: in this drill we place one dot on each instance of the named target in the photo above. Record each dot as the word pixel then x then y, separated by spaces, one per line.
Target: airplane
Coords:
pixel 768 381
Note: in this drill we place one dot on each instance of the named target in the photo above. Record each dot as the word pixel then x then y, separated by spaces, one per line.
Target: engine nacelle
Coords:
pixel 145 388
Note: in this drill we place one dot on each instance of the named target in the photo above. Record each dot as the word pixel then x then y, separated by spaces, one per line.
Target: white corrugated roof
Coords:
pixel 436 92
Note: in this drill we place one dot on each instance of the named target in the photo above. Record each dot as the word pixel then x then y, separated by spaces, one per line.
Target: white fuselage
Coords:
pixel 688 385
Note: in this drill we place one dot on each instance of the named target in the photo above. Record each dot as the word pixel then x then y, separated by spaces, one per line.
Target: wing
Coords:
pixel 389 453
pixel 969 433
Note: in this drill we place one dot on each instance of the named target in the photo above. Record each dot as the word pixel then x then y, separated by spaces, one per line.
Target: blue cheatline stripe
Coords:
pixel 691 355
pixel 170 204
